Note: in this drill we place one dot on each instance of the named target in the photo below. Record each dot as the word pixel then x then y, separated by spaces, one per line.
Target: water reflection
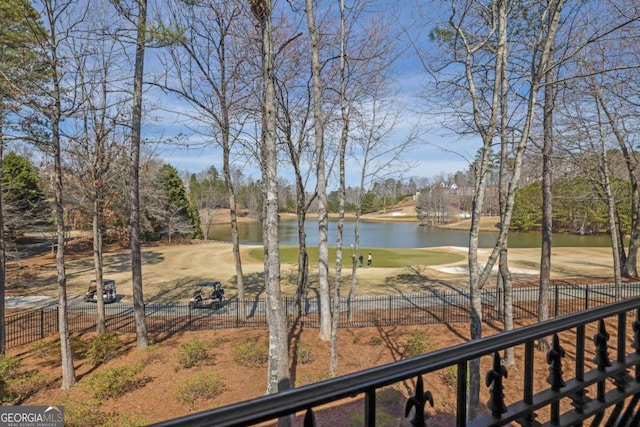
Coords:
pixel 398 235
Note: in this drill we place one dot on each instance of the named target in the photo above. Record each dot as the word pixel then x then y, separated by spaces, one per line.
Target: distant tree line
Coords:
pixel 580 206
pixel 175 209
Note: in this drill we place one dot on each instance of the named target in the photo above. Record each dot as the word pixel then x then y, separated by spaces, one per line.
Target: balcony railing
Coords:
pixel 603 390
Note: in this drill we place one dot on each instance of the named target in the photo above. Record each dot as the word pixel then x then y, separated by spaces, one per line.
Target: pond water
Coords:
pixel 398 235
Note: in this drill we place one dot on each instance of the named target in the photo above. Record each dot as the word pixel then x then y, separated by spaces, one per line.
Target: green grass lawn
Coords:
pixel 385 258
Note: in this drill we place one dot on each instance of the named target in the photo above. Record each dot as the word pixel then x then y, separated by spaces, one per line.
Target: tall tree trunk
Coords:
pixel 611 204
pixel 503 263
pixel 55 117
pixel 620 236
pixel 302 279
pixel 333 365
pixel 278 378
pixel 97 262
pixel 142 338
pixel 3 247
pixel 321 180
pixel 604 171
pixel 630 261
pixel 547 207
pixel 68 370
pixel 235 234
pixel 226 150
pixel 356 258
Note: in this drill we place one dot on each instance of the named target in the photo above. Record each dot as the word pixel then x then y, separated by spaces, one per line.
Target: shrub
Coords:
pixel 201 386
pixel 313 377
pixel 152 354
pixel 449 376
pixel 304 352
pixel 80 413
pixel 252 353
pixel 376 341
pixel 103 348
pixel 15 385
pixel 49 350
pixel 9 366
pixel 194 353
pixel 116 381
pixel 419 342
pixel 23 386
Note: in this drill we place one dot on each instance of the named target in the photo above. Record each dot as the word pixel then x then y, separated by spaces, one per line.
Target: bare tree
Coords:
pixel 278 369
pixel 321 178
pixel 294 121
pixel 60 18
pixel 97 140
pixel 375 153
pixel 208 66
pixel 136 13
pixel 209 194
pixel 344 115
pixel 476 30
pixel 547 203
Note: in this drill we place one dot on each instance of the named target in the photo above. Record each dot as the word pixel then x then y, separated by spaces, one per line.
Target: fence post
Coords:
pixel 586 297
pixel 557 296
pixel 41 323
pixel 237 304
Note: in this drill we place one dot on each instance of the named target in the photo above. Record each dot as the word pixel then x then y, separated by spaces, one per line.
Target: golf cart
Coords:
pixel 108 291
pixel 207 295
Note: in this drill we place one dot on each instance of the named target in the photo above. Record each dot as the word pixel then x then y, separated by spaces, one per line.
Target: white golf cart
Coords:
pixel 109 294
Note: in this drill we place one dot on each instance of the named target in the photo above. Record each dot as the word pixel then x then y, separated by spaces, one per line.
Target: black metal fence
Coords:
pixel 450 306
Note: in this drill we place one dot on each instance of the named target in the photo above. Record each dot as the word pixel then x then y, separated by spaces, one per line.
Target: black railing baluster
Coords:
pixel 554 359
pixel 493 380
pixel 417 402
pixel 309 418
pixel 636 341
pixel 461 395
pixel 601 339
pixel 620 380
pixel 631 409
pixel 579 397
pixel 586 297
pixel 370 407
pixel 528 381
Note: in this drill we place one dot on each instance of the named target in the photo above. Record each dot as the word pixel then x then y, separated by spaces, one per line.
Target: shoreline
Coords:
pixel 487 223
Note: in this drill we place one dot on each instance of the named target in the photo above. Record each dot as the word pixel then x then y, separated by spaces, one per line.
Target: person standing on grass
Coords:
pixel 369 259
pixel 361 259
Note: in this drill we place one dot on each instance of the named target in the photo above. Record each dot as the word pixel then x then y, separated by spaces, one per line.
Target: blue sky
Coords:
pixel 435 152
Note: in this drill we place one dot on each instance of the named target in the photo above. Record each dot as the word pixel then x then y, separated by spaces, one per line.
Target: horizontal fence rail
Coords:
pixel 604 390
pixel 450 306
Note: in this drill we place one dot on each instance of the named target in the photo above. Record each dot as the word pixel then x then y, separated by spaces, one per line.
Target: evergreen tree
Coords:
pixel 25 204
pixel 180 205
pixel 20 63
